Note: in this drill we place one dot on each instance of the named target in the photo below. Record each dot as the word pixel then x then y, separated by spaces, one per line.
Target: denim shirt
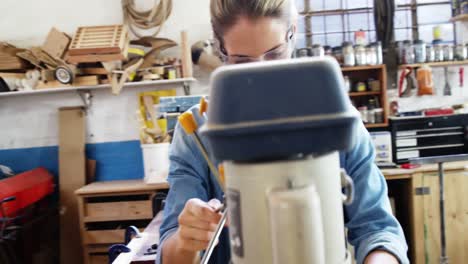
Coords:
pixel 368 219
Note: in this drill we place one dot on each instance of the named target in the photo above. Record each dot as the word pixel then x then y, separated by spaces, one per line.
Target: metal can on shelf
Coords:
pixel 448 53
pixel 460 52
pixel 348 54
pixel 360 87
pixel 318 50
pixel 304 52
pixel 399 50
pixel 408 52
pixel 360 54
pixel 419 51
pixel 379 115
pixel 430 54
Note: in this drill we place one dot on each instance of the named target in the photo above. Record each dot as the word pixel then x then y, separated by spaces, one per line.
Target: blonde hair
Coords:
pixel 225 13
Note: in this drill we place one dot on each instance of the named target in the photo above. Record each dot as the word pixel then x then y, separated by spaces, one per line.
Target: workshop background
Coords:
pixel 32 123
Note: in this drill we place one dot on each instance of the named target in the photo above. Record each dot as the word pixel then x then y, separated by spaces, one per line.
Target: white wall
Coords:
pixel 31 121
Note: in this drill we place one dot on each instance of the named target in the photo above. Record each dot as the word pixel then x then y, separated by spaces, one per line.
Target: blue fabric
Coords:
pixel 369 220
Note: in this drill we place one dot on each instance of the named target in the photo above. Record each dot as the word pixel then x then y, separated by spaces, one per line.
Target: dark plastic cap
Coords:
pixel 278 109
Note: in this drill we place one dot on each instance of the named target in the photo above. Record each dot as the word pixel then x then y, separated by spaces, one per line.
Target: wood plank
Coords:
pixel 376 125
pixel 95 58
pixel 435 64
pixel 104 236
pixel 354 94
pixel 187 67
pixel 112 211
pixel 417 220
pixel 82 229
pixel 457 216
pixel 103 248
pixel 99 259
pixel 72 176
pixel 115 236
pixel 362 68
pixel 432 218
pixel 127 186
pixel 56 43
pixel 79 81
pixel 462 17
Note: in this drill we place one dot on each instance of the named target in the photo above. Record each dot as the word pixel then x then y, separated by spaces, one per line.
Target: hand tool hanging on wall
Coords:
pixel 447 87
pixel 149 19
pixel 406 74
pixel 461 73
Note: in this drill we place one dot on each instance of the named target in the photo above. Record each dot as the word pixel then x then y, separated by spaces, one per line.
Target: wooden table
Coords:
pixel 416 194
pixel 106 209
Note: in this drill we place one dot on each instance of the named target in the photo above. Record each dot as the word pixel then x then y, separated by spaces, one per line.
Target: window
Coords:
pixel 428 14
pixel 330 22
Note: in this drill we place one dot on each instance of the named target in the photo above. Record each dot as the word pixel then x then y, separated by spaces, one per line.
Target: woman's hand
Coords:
pixel 380 257
pixel 197 224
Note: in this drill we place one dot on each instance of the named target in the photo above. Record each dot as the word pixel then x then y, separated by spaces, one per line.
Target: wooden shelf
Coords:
pixel 435 64
pixel 355 94
pixel 362 68
pixel 463 17
pixel 376 125
pixel 153 84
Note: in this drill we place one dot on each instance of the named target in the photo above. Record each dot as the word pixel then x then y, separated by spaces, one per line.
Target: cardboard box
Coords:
pixel 72 176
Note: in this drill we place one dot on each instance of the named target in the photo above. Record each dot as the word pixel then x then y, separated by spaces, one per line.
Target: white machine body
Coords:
pixel 288 211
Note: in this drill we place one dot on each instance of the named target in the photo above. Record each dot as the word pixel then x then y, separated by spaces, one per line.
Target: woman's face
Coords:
pixel 254 38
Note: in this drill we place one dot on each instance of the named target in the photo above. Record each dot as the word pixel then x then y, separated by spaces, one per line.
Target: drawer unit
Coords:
pixel 106 209
pixel 428 136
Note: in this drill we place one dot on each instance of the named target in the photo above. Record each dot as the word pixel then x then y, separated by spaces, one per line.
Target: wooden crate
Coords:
pixel 99 40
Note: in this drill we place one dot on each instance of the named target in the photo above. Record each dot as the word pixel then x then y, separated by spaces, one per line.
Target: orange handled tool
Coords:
pixel 187 121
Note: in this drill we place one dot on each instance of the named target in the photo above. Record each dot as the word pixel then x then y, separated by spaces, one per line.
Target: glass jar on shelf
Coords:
pixel 318 50
pixel 460 52
pixel 360 54
pixel 430 53
pixel 408 52
pixel 348 54
pixel 371 54
pixel 448 53
pixel 419 51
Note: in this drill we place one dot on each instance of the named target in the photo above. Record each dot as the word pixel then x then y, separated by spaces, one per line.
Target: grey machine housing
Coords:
pixel 279 109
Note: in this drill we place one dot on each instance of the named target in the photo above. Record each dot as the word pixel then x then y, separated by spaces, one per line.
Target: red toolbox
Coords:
pixel 28 188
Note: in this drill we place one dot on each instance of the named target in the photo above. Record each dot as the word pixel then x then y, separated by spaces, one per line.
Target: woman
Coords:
pixel 253 30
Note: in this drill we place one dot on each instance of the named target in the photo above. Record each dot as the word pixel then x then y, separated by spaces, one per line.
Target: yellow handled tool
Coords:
pixel 187 121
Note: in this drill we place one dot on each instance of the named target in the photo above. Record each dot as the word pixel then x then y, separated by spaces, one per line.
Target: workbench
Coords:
pixel 416 195
pixel 106 209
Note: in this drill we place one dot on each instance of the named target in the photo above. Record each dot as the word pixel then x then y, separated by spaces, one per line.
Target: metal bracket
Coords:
pixel 422 191
pixel 87 99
